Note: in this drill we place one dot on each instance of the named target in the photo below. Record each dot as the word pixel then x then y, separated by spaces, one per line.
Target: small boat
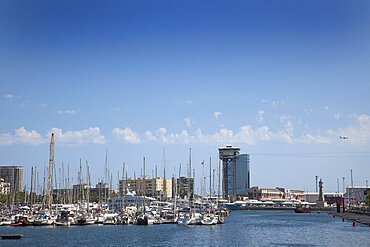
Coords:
pixel 5 222
pixel 17 224
pixel 64 219
pixel 85 220
pixel 303 210
pixel 62 223
pixel 99 219
pixel 142 220
pixel 110 219
pixel 44 221
pixel 209 219
pixel 183 219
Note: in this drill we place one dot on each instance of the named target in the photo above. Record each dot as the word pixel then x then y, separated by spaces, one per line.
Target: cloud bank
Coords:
pixel 77 137
pixel 358 133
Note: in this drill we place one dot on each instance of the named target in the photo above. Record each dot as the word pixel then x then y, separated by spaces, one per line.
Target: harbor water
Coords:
pixel 241 228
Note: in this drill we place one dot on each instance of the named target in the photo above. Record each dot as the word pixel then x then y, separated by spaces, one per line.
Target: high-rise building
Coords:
pixel 14 176
pixel 235 172
pixel 242 174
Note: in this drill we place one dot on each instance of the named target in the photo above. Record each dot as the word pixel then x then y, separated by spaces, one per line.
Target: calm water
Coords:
pixel 242 228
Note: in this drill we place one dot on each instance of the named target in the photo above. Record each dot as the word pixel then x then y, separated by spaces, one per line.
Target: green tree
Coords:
pixel 94 197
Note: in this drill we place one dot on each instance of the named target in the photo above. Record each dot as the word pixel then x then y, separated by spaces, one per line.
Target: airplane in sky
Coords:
pixel 343 137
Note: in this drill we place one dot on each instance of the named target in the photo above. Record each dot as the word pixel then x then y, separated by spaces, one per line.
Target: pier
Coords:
pixel 359 218
pixel 11 236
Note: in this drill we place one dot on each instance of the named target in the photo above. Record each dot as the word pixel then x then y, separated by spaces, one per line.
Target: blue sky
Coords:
pixel 280 79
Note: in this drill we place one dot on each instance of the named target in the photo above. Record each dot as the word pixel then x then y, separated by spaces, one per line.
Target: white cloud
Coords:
pixel 9 97
pixel 337 116
pixel 28 137
pixel 326 108
pixel 68 112
pixel 308 111
pixel 260 116
pixel 6 139
pixel 149 136
pixel 188 122
pixel 274 103
pixel 358 133
pixel 246 134
pixel 22 136
pixel 315 139
pixel 217 114
pixel 126 134
pixel 42 105
pixel 162 136
pixel 78 137
pixel 187 102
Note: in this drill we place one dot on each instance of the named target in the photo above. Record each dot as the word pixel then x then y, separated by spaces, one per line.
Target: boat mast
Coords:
pixel 210 178
pixel 31 187
pixel 105 175
pixel 88 187
pixel 125 191
pixel 144 182
pixel 123 186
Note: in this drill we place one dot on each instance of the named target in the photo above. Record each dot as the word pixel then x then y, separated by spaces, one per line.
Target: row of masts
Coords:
pixel 65 195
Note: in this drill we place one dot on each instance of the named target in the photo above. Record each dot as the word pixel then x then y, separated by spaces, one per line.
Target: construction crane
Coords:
pixel 49 192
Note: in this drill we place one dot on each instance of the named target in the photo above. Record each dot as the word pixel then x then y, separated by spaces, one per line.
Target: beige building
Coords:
pixel 260 193
pixel 295 195
pixel 153 187
pixel 4 187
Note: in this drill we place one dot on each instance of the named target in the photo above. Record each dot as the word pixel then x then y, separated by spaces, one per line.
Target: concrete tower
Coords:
pixel 228 155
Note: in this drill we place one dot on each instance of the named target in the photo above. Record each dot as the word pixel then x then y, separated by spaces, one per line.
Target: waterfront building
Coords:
pixel 235 173
pixel 152 187
pixel 14 176
pixel 359 193
pixel 329 197
pixel 264 193
pixel 185 187
pixel 4 187
pixel 293 194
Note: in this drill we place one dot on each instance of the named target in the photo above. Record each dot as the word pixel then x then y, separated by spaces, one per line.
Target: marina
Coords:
pixel 184 123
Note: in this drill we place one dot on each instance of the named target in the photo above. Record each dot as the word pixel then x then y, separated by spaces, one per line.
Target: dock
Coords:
pixel 11 236
pixel 359 218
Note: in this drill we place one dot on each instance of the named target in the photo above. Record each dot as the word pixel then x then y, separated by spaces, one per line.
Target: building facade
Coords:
pixel 292 194
pixel 357 192
pixel 14 176
pixel 153 187
pixel 329 197
pixel 260 193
